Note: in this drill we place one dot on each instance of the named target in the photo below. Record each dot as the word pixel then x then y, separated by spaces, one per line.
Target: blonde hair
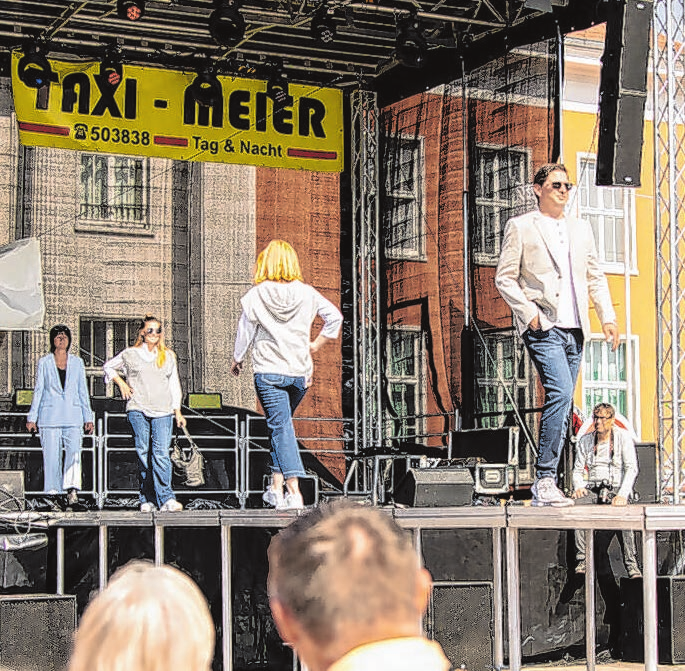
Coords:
pixel 278 262
pixel 140 339
pixel 149 618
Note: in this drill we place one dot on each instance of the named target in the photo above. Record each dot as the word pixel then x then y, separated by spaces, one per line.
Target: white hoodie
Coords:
pixel 277 320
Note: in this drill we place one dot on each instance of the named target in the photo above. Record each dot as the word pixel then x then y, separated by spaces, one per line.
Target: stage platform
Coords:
pixel 515 559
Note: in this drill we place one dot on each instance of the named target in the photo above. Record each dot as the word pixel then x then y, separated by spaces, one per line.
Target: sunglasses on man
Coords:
pixel 557 186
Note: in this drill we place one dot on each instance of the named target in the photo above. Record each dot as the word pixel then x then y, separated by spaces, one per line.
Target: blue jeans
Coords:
pixel 280 395
pixel 155 433
pixel 557 354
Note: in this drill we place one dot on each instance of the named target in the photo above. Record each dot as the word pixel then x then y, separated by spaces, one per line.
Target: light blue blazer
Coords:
pixel 54 406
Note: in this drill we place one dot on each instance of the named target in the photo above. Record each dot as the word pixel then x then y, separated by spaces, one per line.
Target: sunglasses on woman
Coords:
pixel 151 330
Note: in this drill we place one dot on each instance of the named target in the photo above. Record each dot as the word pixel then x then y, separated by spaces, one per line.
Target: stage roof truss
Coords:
pixel 175 33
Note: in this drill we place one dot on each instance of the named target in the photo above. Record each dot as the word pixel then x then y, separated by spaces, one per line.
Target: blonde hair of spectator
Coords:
pixel 148 618
pixel 278 262
pixel 345 566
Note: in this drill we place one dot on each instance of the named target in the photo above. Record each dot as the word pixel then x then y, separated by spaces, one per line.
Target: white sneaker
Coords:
pixel 171 506
pixel 274 497
pixel 294 501
pixel 147 507
pixel 546 493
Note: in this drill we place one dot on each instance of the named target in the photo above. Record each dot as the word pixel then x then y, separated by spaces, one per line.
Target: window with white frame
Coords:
pixel 100 340
pixel 503 377
pixel 607 209
pixel 114 189
pixel 403 201
pixel 605 376
pixel 502 191
pixel 405 381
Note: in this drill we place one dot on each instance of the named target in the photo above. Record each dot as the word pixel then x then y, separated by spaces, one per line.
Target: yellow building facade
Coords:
pixel 624 224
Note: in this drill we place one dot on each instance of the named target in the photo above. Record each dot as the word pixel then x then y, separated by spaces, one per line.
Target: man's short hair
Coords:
pixel 544 172
pixel 604 406
pixel 341 565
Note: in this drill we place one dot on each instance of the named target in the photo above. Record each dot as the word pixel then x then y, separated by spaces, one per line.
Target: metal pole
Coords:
pixel 649 598
pixel 159 544
pixel 498 634
pixel 226 605
pixel 589 598
pixel 513 598
pixel 60 560
pixel 102 556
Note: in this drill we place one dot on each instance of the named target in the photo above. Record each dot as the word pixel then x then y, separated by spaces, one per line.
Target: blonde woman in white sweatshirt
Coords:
pixel 152 390
pixel 276 322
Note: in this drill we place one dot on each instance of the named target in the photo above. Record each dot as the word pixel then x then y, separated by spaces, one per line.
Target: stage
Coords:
pixel 504 587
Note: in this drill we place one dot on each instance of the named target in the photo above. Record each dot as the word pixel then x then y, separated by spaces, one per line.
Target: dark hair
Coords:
pixel 54 331
pixel 543 173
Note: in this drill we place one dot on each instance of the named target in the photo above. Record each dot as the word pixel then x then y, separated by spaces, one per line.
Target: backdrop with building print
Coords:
pixel 457 164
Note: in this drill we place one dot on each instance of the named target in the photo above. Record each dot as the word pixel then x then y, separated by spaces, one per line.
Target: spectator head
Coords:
pixel 149 618
pixel 343 575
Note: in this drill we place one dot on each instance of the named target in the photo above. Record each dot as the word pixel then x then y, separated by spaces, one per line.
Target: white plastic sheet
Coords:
pixel 21 286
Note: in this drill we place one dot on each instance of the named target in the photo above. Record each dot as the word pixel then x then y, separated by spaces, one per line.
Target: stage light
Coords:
pixel 322 26
pixel 411 46
pixel 34 69
pixel 277 90
pixel 111 69
pixel 132 10
pixel 226 23
pixel 277 86
pixel 206 88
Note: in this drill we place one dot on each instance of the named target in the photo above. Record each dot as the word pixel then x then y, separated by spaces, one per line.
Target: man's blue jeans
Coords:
pixel 557 354
pixel 152 436
pixel 280 395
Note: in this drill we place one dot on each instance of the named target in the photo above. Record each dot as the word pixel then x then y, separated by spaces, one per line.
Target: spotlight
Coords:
pixel 323 26
pixel 226 23
pixel 34 69
pixel 411 45
pixel 277 90
pixel 131 10
pixel 111 69
pixel 206 88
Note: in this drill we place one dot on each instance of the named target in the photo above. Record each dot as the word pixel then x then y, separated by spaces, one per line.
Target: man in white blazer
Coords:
pixel 548 271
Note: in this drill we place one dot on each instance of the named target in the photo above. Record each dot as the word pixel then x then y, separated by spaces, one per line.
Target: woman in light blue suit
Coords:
pixel 61 410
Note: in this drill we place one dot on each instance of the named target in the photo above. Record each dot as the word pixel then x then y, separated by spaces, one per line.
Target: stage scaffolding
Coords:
pixel 368 417
pixel 668 67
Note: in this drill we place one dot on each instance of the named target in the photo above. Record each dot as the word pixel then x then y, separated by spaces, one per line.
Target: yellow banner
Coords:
pixel 152 112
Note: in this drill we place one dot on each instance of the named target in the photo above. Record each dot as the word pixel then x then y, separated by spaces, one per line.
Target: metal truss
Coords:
pixel 669 172
pixel 364 145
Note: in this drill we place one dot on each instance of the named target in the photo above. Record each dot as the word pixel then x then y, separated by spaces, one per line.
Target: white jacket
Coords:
pixel 277 321
pixel 529 275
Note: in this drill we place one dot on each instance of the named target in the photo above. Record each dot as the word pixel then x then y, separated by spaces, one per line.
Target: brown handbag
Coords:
pixel 188 462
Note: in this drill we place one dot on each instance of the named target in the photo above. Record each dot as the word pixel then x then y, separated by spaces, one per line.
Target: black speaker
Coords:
pixel 623 92
pixel 435 487
pixel 36 631
pixel 670 593
pixel 460 618
pixel 646 485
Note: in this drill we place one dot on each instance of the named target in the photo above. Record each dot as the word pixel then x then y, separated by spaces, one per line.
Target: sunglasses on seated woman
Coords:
pixel 150 331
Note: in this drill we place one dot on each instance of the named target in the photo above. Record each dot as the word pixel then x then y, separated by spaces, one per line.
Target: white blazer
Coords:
pixel 529 274
pixel 54 406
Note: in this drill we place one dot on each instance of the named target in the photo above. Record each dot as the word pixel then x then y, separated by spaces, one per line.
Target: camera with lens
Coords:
pixel 605 492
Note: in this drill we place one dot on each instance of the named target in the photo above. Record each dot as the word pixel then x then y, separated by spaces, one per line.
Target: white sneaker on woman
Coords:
pixel 274 497
pixel 294 501
pixel 171 506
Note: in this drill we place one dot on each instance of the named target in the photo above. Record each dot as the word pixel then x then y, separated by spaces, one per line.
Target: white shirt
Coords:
pixel 621 470
pixel 567 310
